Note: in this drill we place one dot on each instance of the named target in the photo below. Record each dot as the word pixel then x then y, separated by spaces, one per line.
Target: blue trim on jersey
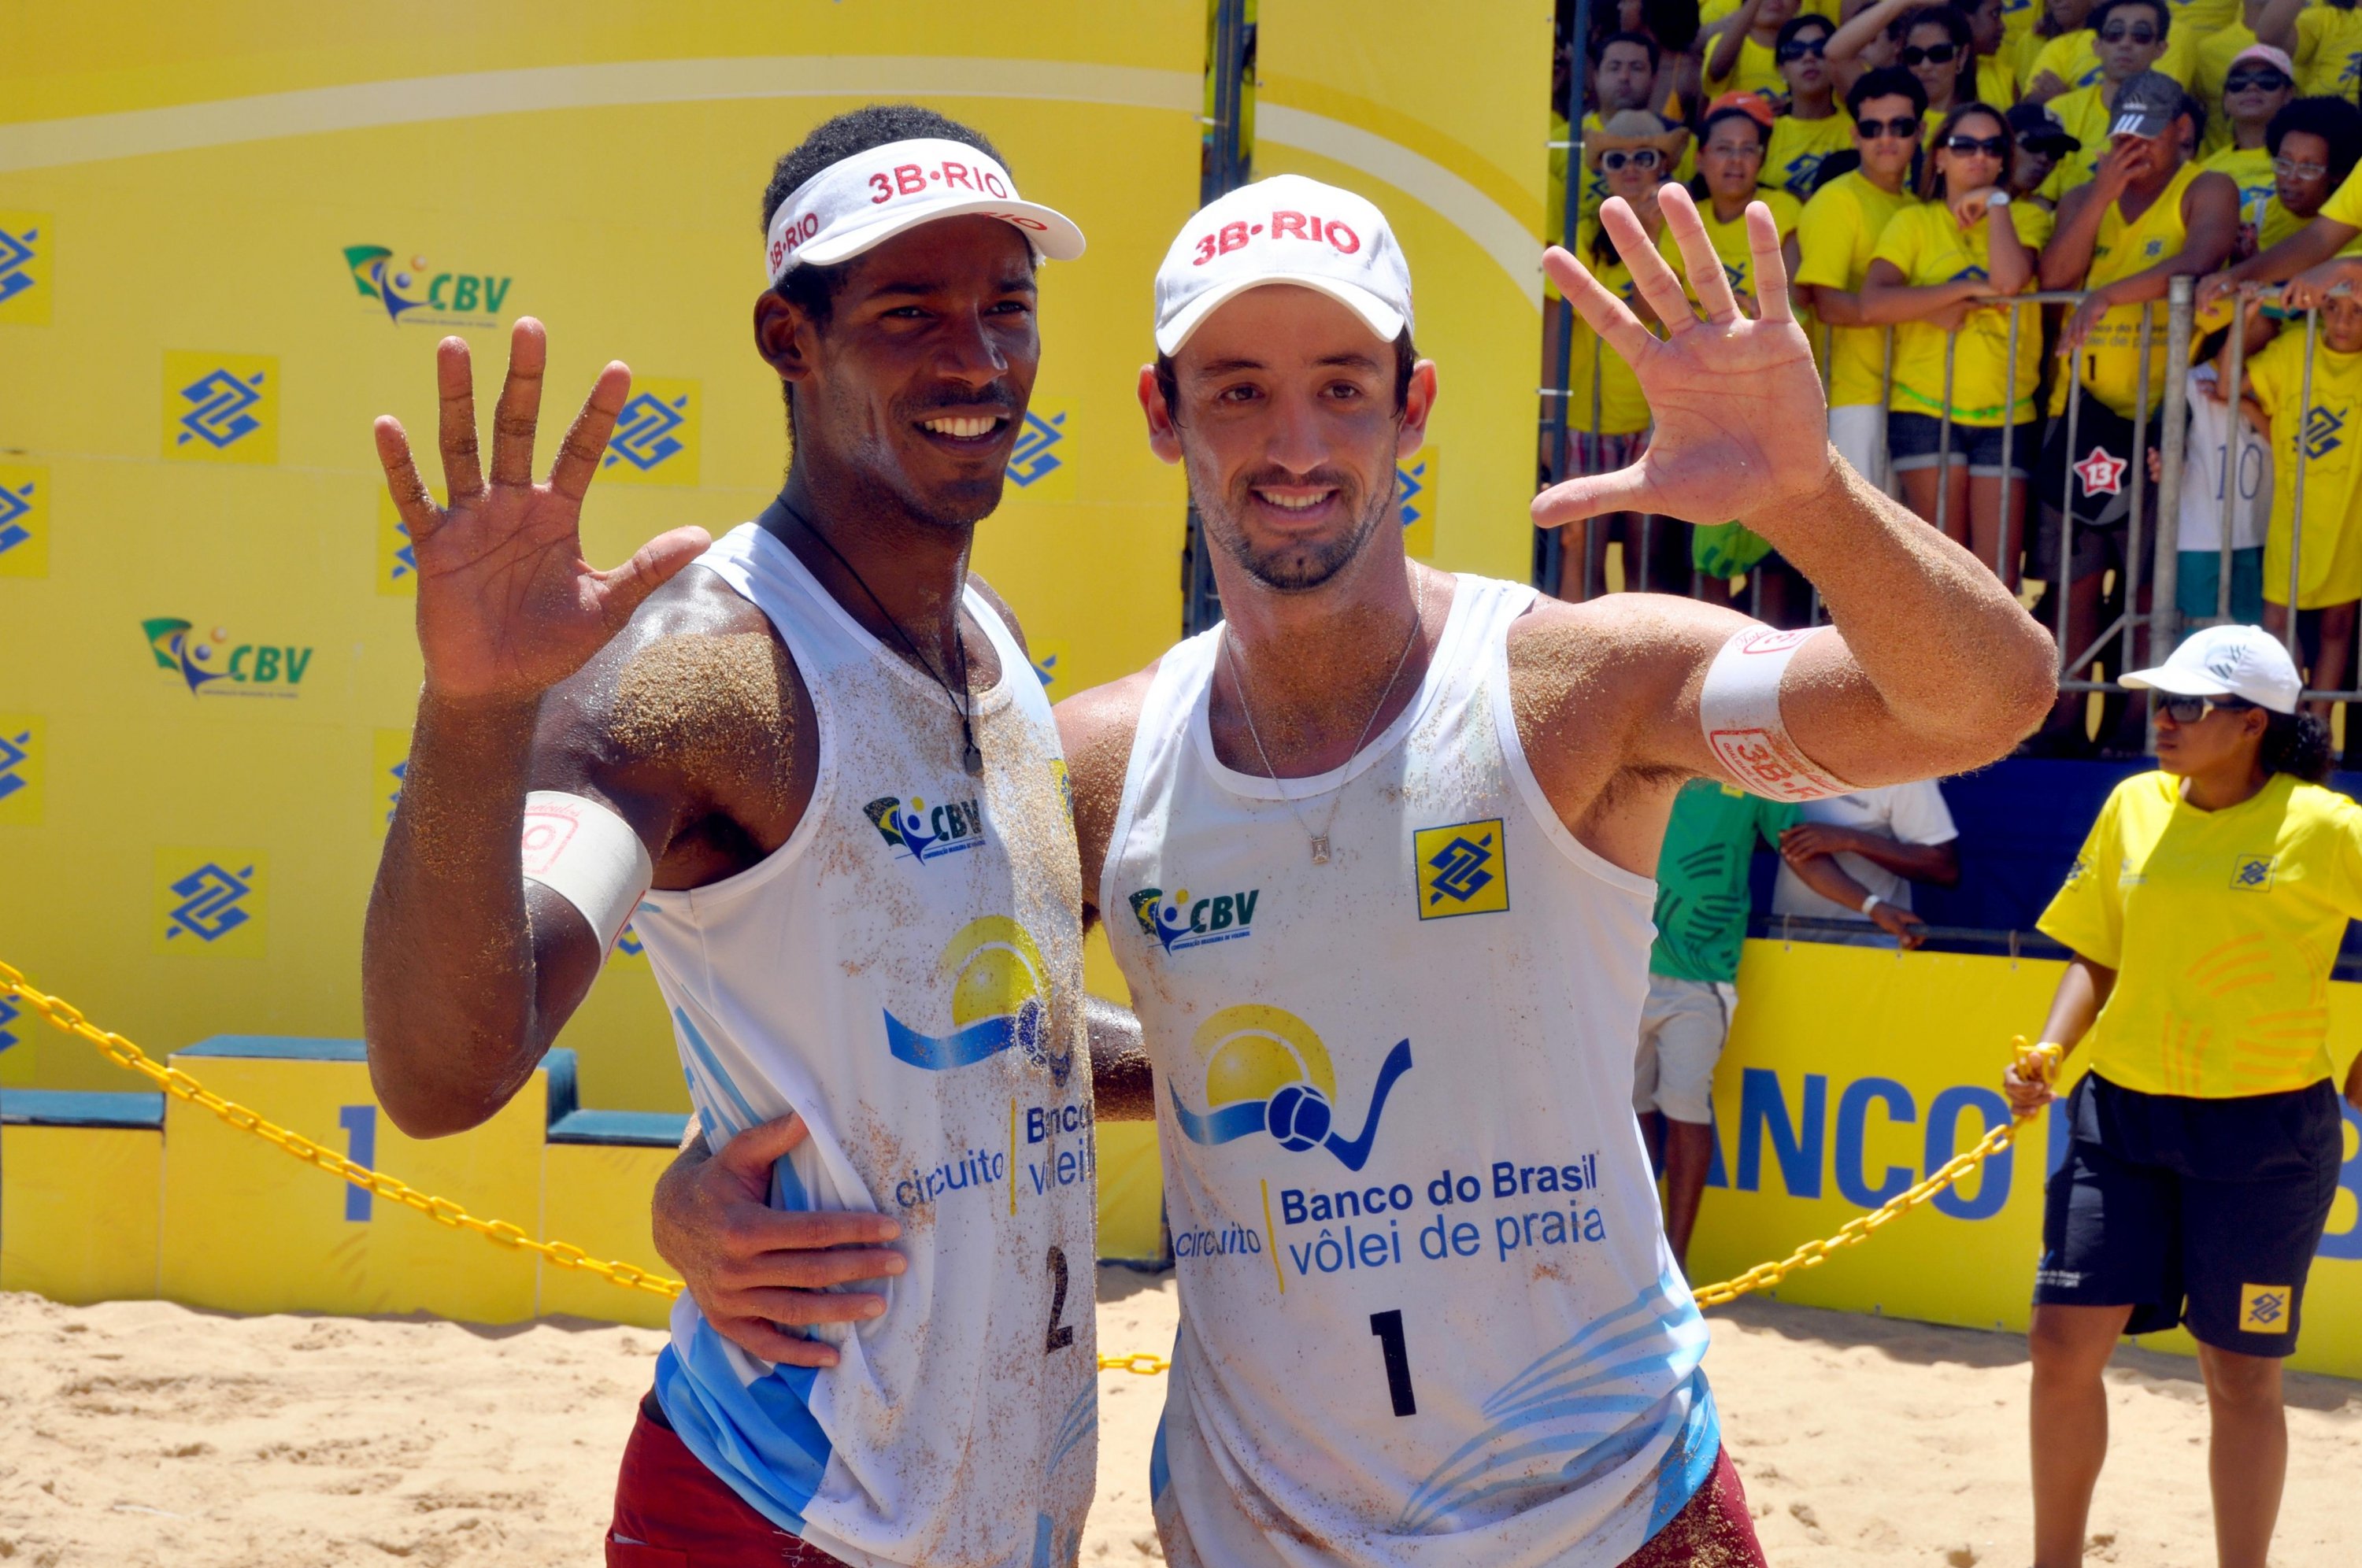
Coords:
pixel 1081 1419
pixel 760 1438
pixel 713 1070
pixel 1160 1469
pixel 986 1037
pixel 1691 1463
pixel 1577 1405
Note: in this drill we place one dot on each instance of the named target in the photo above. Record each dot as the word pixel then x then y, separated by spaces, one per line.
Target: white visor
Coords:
pixel 867 198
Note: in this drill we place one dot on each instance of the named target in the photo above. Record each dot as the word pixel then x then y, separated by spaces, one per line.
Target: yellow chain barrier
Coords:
pixel 442 1211
pixel 2038 1062
pixel 1143 1366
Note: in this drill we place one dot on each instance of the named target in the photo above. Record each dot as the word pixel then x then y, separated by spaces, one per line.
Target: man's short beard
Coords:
pixel 1295 567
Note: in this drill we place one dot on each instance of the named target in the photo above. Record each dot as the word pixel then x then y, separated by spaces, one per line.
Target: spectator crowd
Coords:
pixel 1930 167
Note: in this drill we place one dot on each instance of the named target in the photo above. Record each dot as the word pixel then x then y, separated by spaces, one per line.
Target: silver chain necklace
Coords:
pixel 1246 708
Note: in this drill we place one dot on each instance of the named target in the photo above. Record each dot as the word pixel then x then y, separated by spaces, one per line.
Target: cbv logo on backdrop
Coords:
pixel 221 408
pixel 656 435
pixel 210 899
pixel 24 521
pixel 422 294
pixel 25 268
pixel 213 664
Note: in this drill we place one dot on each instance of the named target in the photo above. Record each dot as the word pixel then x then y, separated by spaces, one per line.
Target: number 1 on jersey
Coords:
pixel 1388 1326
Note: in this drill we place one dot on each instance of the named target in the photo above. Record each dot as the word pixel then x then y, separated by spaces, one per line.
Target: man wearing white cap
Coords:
pixel 2203 913
pixel 1428 1316
pixel 820 778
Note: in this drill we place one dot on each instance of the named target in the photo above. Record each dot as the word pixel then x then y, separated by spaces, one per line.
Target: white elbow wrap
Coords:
pixel 587 856
pixel 1739 708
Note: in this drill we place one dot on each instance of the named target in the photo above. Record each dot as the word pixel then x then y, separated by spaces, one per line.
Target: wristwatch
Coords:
pixel 1998 199
pixel 1870 905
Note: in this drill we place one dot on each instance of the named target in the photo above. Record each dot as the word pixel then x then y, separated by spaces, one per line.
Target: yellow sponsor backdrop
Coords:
pixel 228 240
pixel 1439 114
pixel 1853 1072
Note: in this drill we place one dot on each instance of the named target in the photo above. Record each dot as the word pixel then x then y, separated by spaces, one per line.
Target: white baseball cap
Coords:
pixel 1285 229
pixel 2227 661
pixel 868 198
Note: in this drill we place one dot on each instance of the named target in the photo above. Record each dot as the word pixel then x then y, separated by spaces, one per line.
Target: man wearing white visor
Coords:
pixel 1428 1313
pixel 818 776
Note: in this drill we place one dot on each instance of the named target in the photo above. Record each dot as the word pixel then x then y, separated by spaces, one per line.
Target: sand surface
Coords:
pixel 140 1432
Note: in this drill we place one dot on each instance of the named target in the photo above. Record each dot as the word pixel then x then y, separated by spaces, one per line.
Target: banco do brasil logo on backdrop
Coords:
pixel 212 663
pixel 999 1001
pixel 656 437
pixel 928 832
pixel 1266 1071
pixel 422 294
pixel 1181 921
pixel 209 901
pixel 221 408
pixel 24 268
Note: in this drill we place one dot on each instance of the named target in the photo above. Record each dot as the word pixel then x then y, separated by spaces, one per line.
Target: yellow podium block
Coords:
pixel 598 1176
pixel 246 1229
pixel 82 1192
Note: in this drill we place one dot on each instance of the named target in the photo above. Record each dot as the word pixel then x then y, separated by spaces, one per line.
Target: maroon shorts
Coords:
pixel 1713 1529
pixel 672 1512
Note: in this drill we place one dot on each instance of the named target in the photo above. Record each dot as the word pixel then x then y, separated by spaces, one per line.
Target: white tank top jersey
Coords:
pixel 1428 1313
pixel 905 971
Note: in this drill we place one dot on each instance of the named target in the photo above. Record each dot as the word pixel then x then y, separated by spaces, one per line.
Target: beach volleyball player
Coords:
pixel 819 777
pixel 1376 857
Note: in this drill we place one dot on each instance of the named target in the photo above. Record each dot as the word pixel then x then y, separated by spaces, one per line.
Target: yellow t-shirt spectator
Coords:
pixel 1623 411
pixel 1996 83
pixel 1837 234
pixel 2200 18
pixel 1927 244
pixel 1713 11
pixel 2086 116
pixel 2111 357
pixel 2345 203
pixel 2328 51
pixel 1756 70
pixel 1729 240
pixel 2217 50
pixel 2074 59
pixel 1595 180
pixel 1797 148
pixel 2250 169
pixel 2330 427
pixel 2221 926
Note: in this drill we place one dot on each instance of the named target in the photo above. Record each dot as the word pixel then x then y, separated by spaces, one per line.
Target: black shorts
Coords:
pixel 2201 1212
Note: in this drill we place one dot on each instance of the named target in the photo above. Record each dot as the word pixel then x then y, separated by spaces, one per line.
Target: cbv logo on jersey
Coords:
pixel 929 833
pixel 1266 1071
pixel 1182 923
pixel 999 1000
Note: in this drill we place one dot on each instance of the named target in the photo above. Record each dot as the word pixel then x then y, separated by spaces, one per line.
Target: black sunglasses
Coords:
pixel 1937 54
pixel 1906 129
pixel 1991 145
pixel 2137 35
pixel 1638 157
pixel 2249 82
pixel 1795 50
pixel 2193 709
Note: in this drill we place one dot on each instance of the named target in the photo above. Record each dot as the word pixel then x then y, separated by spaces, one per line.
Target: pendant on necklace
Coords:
pixel 1320 849
pixel 973 759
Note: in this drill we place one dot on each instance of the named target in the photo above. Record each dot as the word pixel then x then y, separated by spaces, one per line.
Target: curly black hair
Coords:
pixel 2296 743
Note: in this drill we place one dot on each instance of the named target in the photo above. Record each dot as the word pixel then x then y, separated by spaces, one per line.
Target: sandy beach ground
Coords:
pixel 140 1432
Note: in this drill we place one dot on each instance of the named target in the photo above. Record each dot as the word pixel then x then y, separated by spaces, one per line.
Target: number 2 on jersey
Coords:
pixel 1388 1326
pixel 1061 1334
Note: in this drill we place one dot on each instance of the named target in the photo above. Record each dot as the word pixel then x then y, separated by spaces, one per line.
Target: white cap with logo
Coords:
pixel 868 198
pixel 2227 661
pixel 1285 229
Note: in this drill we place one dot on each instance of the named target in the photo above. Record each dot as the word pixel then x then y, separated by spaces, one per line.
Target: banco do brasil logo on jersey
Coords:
pixel 1266 1071
pixel 437 296
pixel 1182 923
pixel 929 833
pixel 999 1001
pixel 213 664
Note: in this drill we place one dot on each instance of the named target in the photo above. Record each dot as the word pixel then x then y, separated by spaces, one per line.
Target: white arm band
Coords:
pixel 1739 708
pixel 587 856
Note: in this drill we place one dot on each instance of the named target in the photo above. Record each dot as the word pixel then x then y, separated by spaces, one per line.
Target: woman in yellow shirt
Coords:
pixel 2203 915
pixel 1743 56
pixel 1967 244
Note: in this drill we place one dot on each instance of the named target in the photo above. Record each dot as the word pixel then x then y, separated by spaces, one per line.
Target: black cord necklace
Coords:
pixel 964 699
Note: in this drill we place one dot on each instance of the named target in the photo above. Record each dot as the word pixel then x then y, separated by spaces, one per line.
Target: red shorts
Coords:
pixel 1713 1529
pixel 672 1512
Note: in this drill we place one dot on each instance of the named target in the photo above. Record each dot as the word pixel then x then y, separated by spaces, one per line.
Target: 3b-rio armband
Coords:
pixel 587 856
pixel 1739 708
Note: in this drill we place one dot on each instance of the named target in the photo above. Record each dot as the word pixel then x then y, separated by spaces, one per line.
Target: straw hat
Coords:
pixel 1628 130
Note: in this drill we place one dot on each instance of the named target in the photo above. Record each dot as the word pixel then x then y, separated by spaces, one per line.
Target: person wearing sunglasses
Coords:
pixel 2042 141
pixel 1934 42
pixel 1743 56
pixel 2324 39
pixel 1809 128
pixel 1635 153
pixel 2131 36
pixel 1937 264
pixel 2260 83
pixel 2203 916
pixel 2074 58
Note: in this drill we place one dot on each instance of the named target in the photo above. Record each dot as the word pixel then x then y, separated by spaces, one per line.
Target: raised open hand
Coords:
pixel 1740 423
pixel 507 606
